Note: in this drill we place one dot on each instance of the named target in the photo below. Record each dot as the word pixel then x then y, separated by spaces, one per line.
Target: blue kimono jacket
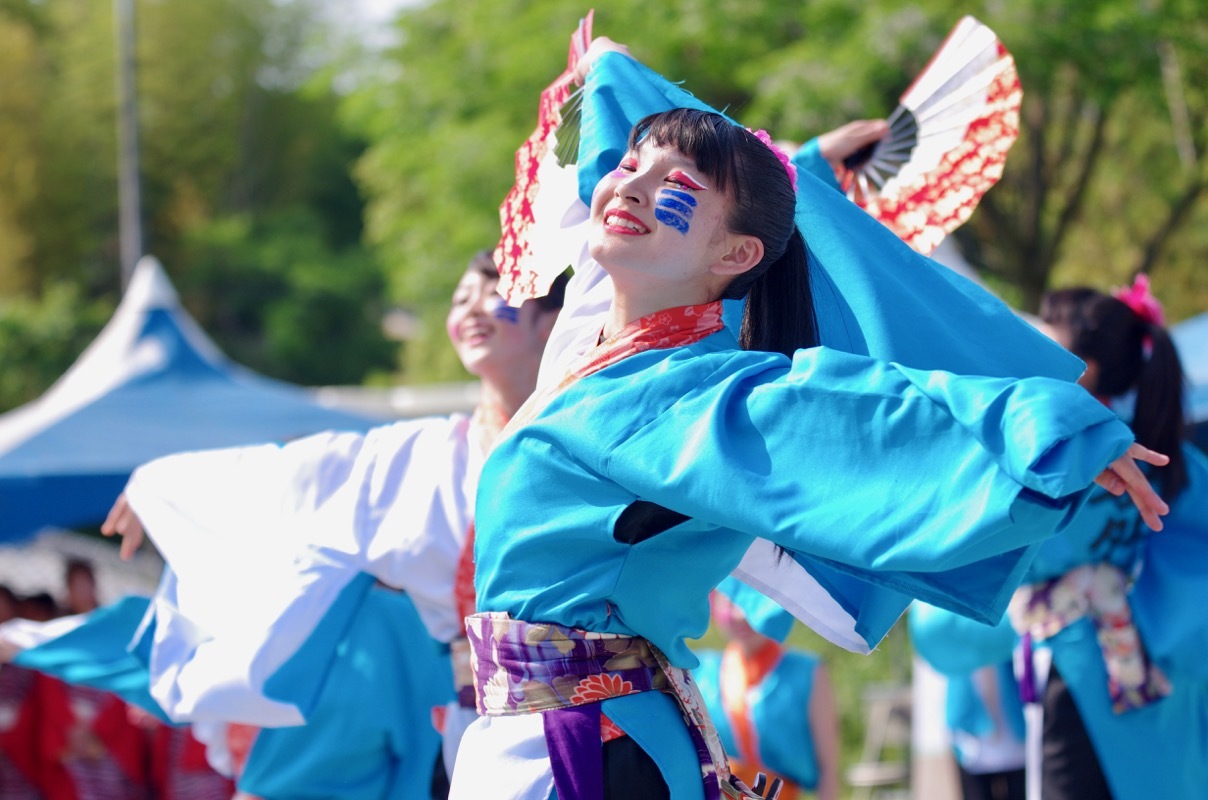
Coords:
pixel 883 481
pixel 924 484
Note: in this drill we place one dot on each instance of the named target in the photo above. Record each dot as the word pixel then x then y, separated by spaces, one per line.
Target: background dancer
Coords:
pixel 1123 709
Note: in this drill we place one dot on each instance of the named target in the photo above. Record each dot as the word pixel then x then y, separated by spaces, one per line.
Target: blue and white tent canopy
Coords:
pixel 152 383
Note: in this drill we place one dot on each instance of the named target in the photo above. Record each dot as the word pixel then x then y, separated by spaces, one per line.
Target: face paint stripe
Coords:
pixel 675 205
pixel 683 197
pixel 671 220
pixel 671 209
pixel 500 310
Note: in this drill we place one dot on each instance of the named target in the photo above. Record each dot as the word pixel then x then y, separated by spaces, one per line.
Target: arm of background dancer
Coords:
pixel 1123 475
pixel 824 730
pixel 123 521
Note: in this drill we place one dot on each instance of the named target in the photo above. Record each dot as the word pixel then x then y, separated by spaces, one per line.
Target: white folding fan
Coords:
pixel 948 140
pixel 538 241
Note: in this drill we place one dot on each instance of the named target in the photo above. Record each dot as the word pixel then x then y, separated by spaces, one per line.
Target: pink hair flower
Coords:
pixel 789 166
pixel 1142 302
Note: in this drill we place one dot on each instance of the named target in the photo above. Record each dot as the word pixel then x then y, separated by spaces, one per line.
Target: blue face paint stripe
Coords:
pixel 671 220
pixel 675 205
pixel 500 310
pixel 674 209
pixel 683 197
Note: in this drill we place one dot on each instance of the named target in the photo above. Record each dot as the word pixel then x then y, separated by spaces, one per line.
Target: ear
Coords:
pixel 740 254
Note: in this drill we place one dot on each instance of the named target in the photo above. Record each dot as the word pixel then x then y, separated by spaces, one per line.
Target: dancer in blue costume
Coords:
pixel 620 495
pixel 1116 611
pixel 774 707
pixel 982 708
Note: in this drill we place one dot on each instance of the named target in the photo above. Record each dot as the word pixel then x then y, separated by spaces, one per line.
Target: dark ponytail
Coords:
pixel 1132 354
pixel 773 319
pixel 779 313
pixel 1158 422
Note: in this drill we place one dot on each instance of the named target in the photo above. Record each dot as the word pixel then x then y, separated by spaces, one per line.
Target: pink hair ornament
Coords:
pixel 789 166
pixel 1142 302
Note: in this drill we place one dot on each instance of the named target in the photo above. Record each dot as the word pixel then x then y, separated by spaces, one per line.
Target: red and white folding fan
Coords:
pixel 947 143
pixel 524 273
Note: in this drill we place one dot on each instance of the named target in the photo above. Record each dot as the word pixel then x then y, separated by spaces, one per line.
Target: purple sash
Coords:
pixel 563 673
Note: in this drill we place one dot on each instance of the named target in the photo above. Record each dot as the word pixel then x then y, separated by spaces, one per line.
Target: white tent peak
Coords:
pixel 149 286
pixel 120 353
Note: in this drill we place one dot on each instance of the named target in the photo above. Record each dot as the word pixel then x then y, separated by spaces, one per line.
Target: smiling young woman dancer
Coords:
pixel 621 494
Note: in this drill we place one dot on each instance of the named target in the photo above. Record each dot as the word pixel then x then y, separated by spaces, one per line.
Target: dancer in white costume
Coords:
pixel 271 548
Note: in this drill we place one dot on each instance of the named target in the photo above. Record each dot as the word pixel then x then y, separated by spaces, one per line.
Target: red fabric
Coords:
pixel 193 753
pixel 161 757
pixel 175 752
pixel 672 327
pixel 55 721
pixel 126 744
pixel 60 733
pixel 464 597
pixel 19 743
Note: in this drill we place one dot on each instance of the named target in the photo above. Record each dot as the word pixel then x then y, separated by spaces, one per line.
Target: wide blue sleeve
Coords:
pixel 96 654
pixel 808 158
pixel 928 484
pixel 873 295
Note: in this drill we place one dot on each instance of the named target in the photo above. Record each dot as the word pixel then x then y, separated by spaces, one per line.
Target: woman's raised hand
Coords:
pixel 600 44
pixel 123 521
pixel 845 140
pixel 1125 476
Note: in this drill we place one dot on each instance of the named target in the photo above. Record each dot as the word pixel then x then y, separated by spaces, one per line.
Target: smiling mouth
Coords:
pixel 474 334
pixel 621 219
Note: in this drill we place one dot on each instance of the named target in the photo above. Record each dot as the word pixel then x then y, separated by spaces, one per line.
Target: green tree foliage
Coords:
pixel 239 138
pixel 40 339
pixel 283 299
pixel 1094 190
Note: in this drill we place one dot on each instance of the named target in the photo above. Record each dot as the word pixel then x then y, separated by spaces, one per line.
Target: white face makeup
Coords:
pixel 655 219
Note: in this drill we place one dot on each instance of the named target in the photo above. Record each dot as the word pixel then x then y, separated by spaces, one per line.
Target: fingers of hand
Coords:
pixel 130 543
pixel 1142 453
pixel 1110 481
pixel 113 518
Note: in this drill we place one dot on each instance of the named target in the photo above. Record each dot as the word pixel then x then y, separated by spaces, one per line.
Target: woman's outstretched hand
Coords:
pixel 123 521
pixel 1125 476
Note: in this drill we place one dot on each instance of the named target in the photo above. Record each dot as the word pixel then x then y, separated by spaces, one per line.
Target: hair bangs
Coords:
pixel 705 137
